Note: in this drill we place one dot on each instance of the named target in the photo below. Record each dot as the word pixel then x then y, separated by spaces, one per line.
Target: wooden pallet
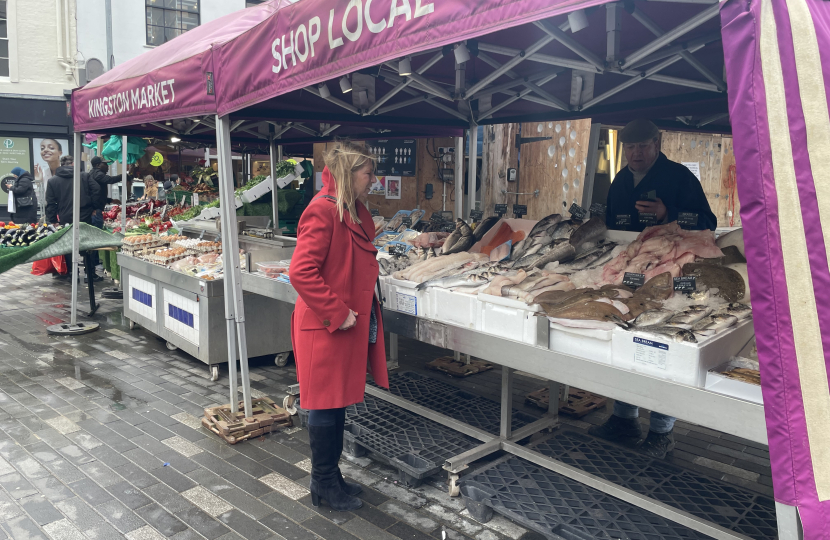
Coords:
pixel 266 416
pixel 457 368
pixel 580 402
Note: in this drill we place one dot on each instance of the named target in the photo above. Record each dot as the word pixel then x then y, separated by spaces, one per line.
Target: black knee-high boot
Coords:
pixel 349 487
pixel 325 475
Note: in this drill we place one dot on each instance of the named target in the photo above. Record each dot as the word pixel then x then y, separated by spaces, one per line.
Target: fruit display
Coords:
pixel 13 235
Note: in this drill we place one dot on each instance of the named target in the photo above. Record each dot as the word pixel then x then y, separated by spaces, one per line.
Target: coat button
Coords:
pixel 326 323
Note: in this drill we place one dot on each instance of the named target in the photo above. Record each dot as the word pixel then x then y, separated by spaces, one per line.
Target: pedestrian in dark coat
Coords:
pixel 22 188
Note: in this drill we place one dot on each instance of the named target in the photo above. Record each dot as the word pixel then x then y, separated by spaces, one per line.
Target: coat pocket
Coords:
pixel 310 321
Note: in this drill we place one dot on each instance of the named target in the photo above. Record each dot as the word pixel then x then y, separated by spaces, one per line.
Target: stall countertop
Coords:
pixel 192 284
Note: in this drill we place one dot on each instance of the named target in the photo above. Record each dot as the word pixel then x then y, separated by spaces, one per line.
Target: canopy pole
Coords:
pixel 459 177
pixel 76 218
pixel 272 151
pixel 471 169
pixel 234 306
pixel 124 193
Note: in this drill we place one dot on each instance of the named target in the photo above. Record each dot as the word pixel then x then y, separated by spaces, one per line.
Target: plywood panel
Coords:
pixel 555 167
pixel 499 147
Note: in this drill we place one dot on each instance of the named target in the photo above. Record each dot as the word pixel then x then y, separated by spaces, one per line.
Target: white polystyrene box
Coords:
pixel 507 318
pixel 257 191
pixel 454 308
pixel 716 382
pixel 591 344
pixel 685 363
pixel 402 296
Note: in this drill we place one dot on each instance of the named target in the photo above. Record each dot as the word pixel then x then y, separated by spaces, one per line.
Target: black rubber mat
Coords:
pixel 558 507
pixel 446 399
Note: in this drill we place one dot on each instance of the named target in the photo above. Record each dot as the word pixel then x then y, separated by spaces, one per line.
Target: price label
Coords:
pixel 687 220
pixel 597 209
pixel 577 211
pixel 436 217
pixel 648 218
pixel 476 215
pixel 406 221
pixel 623 220
pixel 397 249
pixel 374 212
pixel 448 227
pixel 447 215
pixel 685 284
pixel 519 210
pixel 634 280
pixel 500 209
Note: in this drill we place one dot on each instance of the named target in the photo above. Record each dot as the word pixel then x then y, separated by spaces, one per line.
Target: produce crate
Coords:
pixel 580 402
pixel 266 416
pixel 257 191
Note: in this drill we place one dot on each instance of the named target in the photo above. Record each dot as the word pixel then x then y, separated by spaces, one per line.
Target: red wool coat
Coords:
pixel 334 269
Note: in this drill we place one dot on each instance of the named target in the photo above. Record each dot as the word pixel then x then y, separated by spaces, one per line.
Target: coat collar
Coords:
pixel 364 230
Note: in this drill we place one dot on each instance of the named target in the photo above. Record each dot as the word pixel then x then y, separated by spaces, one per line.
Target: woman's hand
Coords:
pixel 38 173
pixel 350 321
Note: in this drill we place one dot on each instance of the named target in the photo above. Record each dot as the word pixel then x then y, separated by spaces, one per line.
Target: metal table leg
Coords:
pixel 392 363
pixel 789 524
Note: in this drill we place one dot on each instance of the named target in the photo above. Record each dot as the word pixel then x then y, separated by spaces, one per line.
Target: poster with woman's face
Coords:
pixel 47 157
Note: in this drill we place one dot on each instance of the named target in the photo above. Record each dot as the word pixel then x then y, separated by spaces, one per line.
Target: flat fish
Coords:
pixel 589 231
pixel 734 238
pixel 588 310
pixel 730 283
pixel 659 287
pixel 653 317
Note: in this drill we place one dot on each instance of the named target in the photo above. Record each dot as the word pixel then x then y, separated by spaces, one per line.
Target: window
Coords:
pixel 167 19
pixel 4 40
pixel 252 3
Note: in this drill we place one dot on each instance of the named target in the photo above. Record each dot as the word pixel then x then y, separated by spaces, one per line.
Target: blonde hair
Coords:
pixel 343 160
pixel 149 180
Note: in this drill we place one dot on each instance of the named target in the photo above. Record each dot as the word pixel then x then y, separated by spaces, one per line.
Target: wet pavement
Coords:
pixel 100 439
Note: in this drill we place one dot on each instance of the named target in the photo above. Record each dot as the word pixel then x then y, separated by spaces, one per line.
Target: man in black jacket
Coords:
pixel 652 189
pixel 59 195
pixel 98 173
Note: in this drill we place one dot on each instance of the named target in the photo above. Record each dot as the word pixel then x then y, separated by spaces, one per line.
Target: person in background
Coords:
pixel 651 183
pixel 151 189
pixel 98 173
pixel 22 196
pixel 60 198
pixel 336 327
pixel 50 153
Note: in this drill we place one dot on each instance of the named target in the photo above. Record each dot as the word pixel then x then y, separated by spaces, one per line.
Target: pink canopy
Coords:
pixel 283 64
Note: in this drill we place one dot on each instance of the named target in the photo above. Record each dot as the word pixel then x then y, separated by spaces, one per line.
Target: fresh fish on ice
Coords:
pixel 736 309
pixel 690 315
pixel 653 317
pixel 680 335
pixel 713 324
pixel 589 231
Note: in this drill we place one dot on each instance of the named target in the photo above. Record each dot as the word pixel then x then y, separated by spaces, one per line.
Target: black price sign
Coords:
pixel 500 209
pixel 374 212
pixel 633 280
pixel 623 220
pixel 397 249
pixel 597 209
pixel 476 215
pixel 577 211
pixel 687 220
pixel 436 217
pixel 648 218
pixel 448 227
pixel 685 284
pixel 519 210
pixel 407 221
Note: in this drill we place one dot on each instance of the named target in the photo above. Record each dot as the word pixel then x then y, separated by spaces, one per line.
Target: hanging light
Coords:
pixel 325 93
pixel 462 54
pixel 174 139
pixel 404 67
pixel 345 85
pixel 168 123
pixel 578 20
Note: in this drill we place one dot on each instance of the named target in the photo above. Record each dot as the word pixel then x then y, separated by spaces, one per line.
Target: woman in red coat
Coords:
pixel 336 328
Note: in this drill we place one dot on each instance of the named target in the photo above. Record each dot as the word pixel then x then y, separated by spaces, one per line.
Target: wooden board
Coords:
pixel 499 147
pixel 555 167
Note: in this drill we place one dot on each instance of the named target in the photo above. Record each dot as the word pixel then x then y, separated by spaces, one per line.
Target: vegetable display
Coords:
pixel 12 235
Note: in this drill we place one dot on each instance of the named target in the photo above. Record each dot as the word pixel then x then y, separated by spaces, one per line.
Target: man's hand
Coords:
pixel 350 321
pixel 653 207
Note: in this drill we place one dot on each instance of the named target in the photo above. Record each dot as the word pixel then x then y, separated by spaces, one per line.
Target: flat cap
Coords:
pixel 638 131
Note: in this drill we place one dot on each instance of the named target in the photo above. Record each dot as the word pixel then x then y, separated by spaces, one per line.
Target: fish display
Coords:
pixel 590 231
pixel 660 287
pixel 653 317
pixel 689 316
pixel 461 239
pixel 712 324
pixel 680 335
pixel 484 227
pixel 659 249
pixel 561 250
pixel 741 311
pixel 540 235
pixel 733 238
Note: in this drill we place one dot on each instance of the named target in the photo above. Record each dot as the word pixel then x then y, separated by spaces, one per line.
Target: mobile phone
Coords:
pixel 650 196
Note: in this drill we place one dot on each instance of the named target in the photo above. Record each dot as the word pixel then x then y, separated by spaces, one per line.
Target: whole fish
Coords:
pixel 653 317
pixel 452 239
pixel 679 335
pixel 431 253
pixel 690 315
pixel 564 229
pixel 714 323
pixel 463 242
pixel 449 282
pixel 383 267
pixel 560 252
pixel 736 309
pixel 593 258
pixel 484 226
pixel 589 231
pixel 539 235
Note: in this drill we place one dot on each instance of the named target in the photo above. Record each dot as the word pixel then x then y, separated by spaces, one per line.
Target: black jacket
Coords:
pixel 674 184
pixel 103 181
pixel 24 187
pixel 59 197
